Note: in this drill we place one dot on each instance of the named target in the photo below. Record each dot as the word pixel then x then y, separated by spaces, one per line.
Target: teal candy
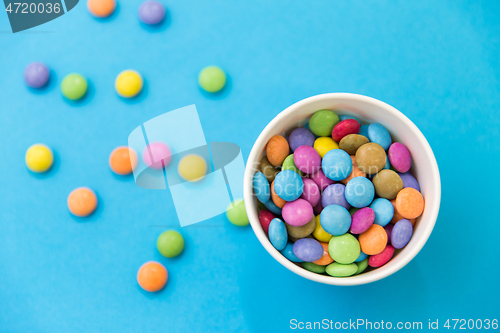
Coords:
pixel 344 249
pixel 278 234
pixel 362 256
pixel 287 252
pixel 288 185
pixel 379 134
pixel 261 187
pixel 339 270
pixel 384 211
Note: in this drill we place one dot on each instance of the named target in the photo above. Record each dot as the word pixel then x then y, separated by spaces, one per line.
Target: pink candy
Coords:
pixel 321 180
pixel 156 153
pixel 297 213
pixel 345 127
pixel 311 192
pixel 399 157
pixel 362 220
pixel 307 159
pixel 382 258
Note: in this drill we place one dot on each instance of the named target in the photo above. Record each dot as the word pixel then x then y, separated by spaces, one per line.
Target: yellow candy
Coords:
pixel 321 234
pixel 192 168
pixel 39 158
pixel 324 144
pixel 128 83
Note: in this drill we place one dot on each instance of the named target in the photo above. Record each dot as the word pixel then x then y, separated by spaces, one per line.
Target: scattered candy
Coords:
pixel 212 79
pixel 151 12
pixel 74 86
pixel 152 276
pixel 157 155
pixel 39 158
pixel 82 202
pixel 101 8
pixel 128 83
pixel 337 228
pixel 278 234
pixel 237 214
pixel 36 75
pixel 123 160
pixel 192 168
pixel 170 244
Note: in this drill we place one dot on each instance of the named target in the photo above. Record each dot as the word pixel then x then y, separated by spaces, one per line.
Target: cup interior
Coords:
pixel 367 110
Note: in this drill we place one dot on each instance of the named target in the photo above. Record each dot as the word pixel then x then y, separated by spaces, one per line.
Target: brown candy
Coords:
pixel 269 170
pixel 370 158
pixel 302 231
pixel 387 184
pixel 350 143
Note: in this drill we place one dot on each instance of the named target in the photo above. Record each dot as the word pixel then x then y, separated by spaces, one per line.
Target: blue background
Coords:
pixel 436 61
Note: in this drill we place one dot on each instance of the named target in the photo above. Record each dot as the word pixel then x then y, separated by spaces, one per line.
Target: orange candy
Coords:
pixel 410 203
pixel 276 199
pixel 374 240
pixel 82 201
pixel 277 150
pixel 325 259
pixel 101 8
pixel 123 160
pixel 354 173
pixel 152 276
pixel 397 216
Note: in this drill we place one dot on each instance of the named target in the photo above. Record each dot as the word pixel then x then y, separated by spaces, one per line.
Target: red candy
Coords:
pixel 265 218
pixel 345 127
pixel 382 258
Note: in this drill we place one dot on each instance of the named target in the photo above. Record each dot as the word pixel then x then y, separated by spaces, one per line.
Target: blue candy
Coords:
pixel 335 220
pixel 384 211
pixel 288 185
pixel 362 256
pixel 387 165
pixel 337 164
pixel 334 195
pixel 271 206
pixel 278 234
pixel 288 253
pixel 379 134
pixel 359 192
pixel 261 187
pixel 364 130
pixel 401 233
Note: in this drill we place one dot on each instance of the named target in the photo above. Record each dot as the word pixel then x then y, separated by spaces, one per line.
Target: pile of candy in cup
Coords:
pixel 337 197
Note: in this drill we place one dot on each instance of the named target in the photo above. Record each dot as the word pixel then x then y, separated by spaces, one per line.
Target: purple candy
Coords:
pixel 335 195
pixel 400 157
pixel 297 213
pixel 36 75
pixel 409 181
pixel 318 208
pixel 401 233
pixel 311 192
pixel 322 180
pixel 151 12
pixel 388 229
pixel 362 220
pixel 308 249
pixel 307 159
pixel 301 137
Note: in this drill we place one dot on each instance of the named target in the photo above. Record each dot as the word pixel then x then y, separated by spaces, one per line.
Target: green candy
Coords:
pixel 170 244
pixel 237 214
pixel 344 249
pixel 322 122
pixel 73 86
pixel 312 267
pixel 289 164
pixel 361 266
pixel 212 79
pixel 340 270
